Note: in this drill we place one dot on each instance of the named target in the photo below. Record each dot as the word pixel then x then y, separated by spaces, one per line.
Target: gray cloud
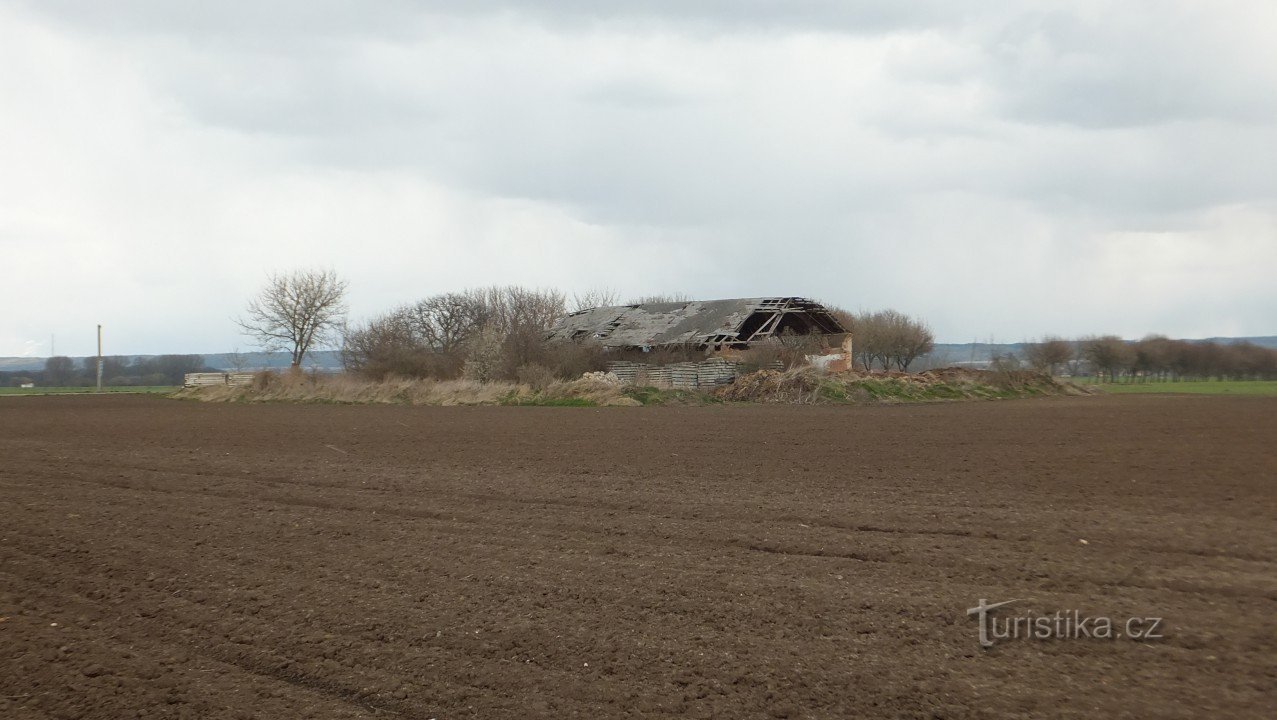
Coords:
pixel 395 17
pixel 1000 169
pixel 1151 66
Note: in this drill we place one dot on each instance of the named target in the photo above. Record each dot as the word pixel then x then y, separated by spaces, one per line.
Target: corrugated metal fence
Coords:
pixel 684 375
pixel 217 378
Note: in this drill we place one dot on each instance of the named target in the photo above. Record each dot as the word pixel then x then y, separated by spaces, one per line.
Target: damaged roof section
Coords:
pixel 700 323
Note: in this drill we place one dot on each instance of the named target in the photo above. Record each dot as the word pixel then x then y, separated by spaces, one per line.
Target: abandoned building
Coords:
pixel 702 324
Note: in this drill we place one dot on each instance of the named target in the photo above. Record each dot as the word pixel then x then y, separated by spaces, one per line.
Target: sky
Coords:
pixel 1003 170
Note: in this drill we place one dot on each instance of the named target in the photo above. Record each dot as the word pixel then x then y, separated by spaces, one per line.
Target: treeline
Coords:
pixel 498 333
pixel 485 334
pixel 117 370
pixel 1155 358
pixel 887 339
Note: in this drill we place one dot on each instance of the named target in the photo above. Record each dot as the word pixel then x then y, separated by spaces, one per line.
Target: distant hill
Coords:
pixel 966 354
pixel 324 360
pixel 1268 341
pixel 983 352
pixel 327 360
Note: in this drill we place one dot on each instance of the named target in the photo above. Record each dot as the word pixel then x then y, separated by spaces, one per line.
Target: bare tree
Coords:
pixel 439 335
pixel 522 316
pixel 795 348
pixel 1109 354
pixel 172 368
pixel 517 310
pixel 1048 354
pixel 1154 356
pixel 1254 361
pixel 387 346
pixel 594 298
pixel 1077 358
pixel 483 356
pixel 676 297
pixel 59 370
pixel 445 322
pixel 296 311
pixel 863 332
pixel 910 339
pixel 889 338
pixel 237 360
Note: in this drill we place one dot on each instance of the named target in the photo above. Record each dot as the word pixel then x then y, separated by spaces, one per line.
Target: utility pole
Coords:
pixel 99 358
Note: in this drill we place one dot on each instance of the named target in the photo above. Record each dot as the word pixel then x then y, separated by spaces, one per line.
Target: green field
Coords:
pixel 1191 387
pixel 84 390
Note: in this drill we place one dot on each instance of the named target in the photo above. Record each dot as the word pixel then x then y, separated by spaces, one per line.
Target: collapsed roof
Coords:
pixel 700 323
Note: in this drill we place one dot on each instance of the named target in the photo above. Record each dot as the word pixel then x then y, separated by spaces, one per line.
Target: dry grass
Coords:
pixel 798 386
pixel 808 386
pixel 348 389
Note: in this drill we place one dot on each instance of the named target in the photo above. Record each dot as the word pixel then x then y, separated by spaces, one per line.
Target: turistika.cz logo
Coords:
pixel 1062 625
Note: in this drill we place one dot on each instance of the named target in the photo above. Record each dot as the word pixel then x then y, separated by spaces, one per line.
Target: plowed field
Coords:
pixel 163 558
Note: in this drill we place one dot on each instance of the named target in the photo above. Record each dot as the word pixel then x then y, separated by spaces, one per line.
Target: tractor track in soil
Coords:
pixel 161 558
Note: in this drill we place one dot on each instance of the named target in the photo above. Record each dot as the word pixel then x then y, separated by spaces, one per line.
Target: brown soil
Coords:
pixel 161 558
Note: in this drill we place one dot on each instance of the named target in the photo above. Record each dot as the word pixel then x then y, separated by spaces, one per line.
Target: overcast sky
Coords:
pixel 1002 169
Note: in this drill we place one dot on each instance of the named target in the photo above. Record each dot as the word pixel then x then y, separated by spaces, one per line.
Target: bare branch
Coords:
pixel 594 298
pixel 296 311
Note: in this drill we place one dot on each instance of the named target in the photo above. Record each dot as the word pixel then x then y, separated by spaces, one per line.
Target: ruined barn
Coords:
pixel 701 324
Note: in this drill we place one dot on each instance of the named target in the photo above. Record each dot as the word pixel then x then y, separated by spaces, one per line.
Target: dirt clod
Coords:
pixel 718 561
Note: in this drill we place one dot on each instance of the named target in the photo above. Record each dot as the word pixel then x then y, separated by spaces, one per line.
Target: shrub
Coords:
pixel 570 360
pixel 265 380
pixel 761 356
pixel 484 355
pixel 795 348
pixel 537 377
